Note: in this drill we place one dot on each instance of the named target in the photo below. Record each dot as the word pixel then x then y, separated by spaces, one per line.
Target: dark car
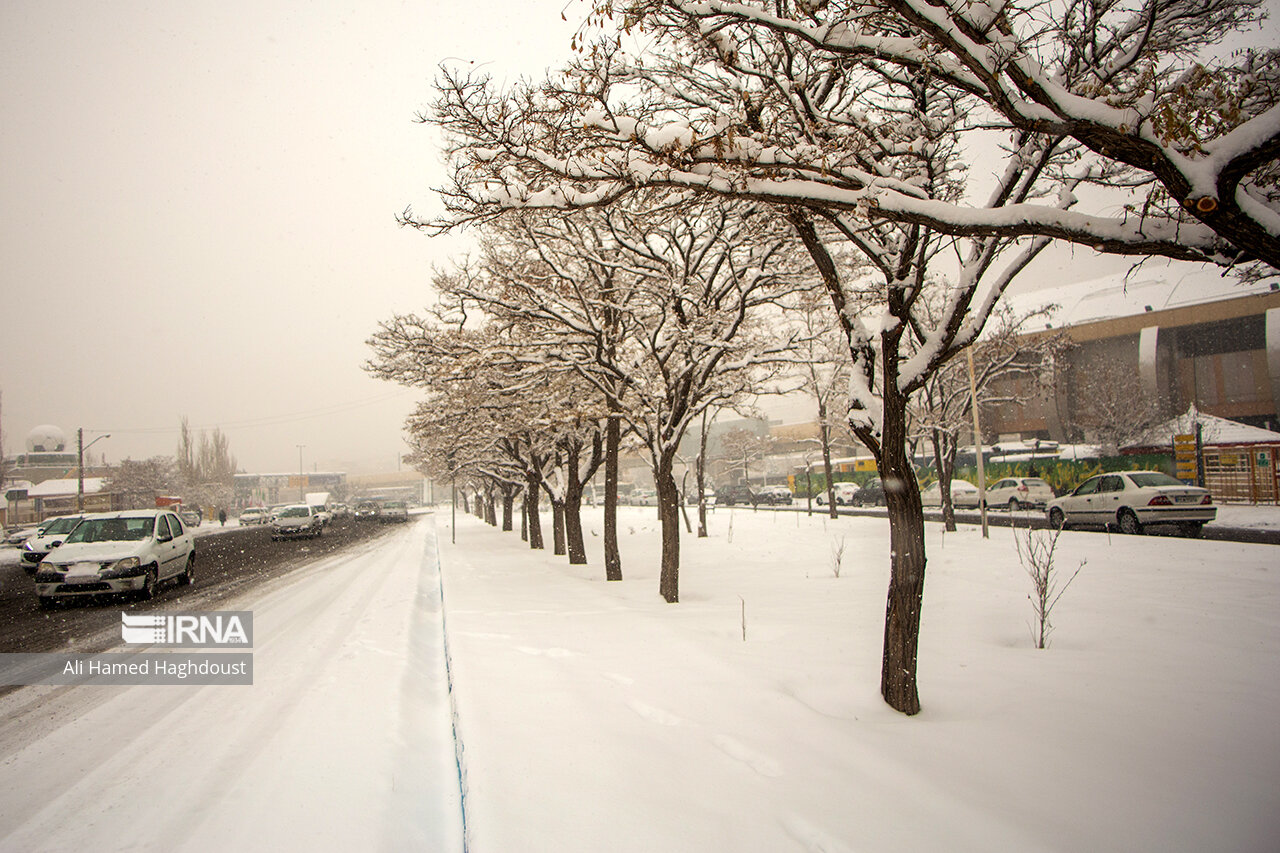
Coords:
pixel 730 495
pixel 871 494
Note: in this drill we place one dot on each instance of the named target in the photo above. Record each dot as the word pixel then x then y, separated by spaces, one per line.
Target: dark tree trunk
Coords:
pixel 824 433
pixel 466 504
pixel 669 517
pixel 531 502
pixel 573 509
pixel 612 443
pixel 907 562
pixel 490 508
pixel 557 527
pixel 524 516
pixel 944 480
pixel 508 499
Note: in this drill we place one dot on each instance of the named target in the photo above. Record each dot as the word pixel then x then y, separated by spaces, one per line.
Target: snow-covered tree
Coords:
pixel 857 121
pixel 659 312
pixel 1008 370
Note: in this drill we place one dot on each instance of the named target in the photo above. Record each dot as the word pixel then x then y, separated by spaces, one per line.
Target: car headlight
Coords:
pixel 127 563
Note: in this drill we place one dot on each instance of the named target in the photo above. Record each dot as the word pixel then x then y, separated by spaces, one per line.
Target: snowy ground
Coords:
pixel 343 742
pixel 596 717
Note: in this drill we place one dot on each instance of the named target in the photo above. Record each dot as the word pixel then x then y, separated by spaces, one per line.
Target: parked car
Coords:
pixel 644 497
pixel 963 494
pixel 133 551
pixel 51 535
pixel 19 535
pixel 730 495
pixel 774 496
pixel 393 511
pixel 1131 500
pixel 844 494
pixel 708 497
pixel 255 515
pixel 1017 493
pixel 191 516
pixel 871 494
pixel 296 521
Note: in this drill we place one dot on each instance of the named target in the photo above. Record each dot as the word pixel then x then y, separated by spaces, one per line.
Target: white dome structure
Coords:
pixel 46 438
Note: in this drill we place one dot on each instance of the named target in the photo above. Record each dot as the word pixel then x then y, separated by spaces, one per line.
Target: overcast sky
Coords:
pixel 199 204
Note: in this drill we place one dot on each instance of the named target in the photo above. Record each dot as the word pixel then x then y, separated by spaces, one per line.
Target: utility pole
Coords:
pixel 302 489
pixel 80 448
pixel 977 446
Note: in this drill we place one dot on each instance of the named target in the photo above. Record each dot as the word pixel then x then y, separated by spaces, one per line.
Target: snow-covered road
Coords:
pixel 343 742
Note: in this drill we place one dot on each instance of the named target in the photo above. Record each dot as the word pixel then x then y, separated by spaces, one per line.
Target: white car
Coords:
pixel 255 515
pixel 963 494
pixel 113 552
pixel 51 535
pixel 1130 500
pixel 1016 493
pixel 296 521
pixel 844 494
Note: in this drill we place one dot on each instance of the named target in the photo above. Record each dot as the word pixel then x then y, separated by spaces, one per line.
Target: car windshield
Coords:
pixel 295 512
pixel 1155 478
pixel 112 530
pixel 62 525
pixel 1035 481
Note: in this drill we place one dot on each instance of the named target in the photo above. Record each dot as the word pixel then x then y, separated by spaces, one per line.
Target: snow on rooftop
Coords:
pixel 70 486
pixel 1214 430
pixel 1124 295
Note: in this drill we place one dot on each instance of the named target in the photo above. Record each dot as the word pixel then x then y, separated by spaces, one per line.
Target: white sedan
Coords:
pixel 1019 492
pixel 1130 500
pixel 963 494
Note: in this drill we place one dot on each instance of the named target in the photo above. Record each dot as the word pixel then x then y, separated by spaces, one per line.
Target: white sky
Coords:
pixel 199 201
pixel 199 204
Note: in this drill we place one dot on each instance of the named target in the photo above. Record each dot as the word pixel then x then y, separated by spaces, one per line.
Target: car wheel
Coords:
pixel 1128 522
pixel 1192 529
pixel 1057 519
pixel 188 574
pixel 149 583
pixel 1014 505
pixel 46 602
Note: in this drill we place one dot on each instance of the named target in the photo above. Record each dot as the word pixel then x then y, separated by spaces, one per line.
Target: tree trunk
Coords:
pixel 524 516
pixel 612 556
pixel 944 481
pixel 531 503
pixel 824 433
pixel 508 499
pixel 573 527
pixel 557 527
pixel 907 562
pixel 669 516
pixel 490 508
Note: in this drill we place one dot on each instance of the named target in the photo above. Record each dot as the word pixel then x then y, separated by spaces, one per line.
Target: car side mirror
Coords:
pixel 56 544
pixel 163 537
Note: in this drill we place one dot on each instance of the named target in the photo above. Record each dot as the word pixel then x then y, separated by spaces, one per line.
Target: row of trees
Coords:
pixel 921 154
pixel 202 472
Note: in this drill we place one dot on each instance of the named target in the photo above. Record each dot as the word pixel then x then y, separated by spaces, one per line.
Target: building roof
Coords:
pixel 1129 294
pixel 1213 431
pixel 62 488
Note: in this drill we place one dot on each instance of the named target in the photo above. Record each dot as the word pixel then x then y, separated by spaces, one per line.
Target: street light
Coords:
pixel 301 488
pixel 81 447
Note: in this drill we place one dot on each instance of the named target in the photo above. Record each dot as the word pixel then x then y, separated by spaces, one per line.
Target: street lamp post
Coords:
pixel 81 447
pixel 302 489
